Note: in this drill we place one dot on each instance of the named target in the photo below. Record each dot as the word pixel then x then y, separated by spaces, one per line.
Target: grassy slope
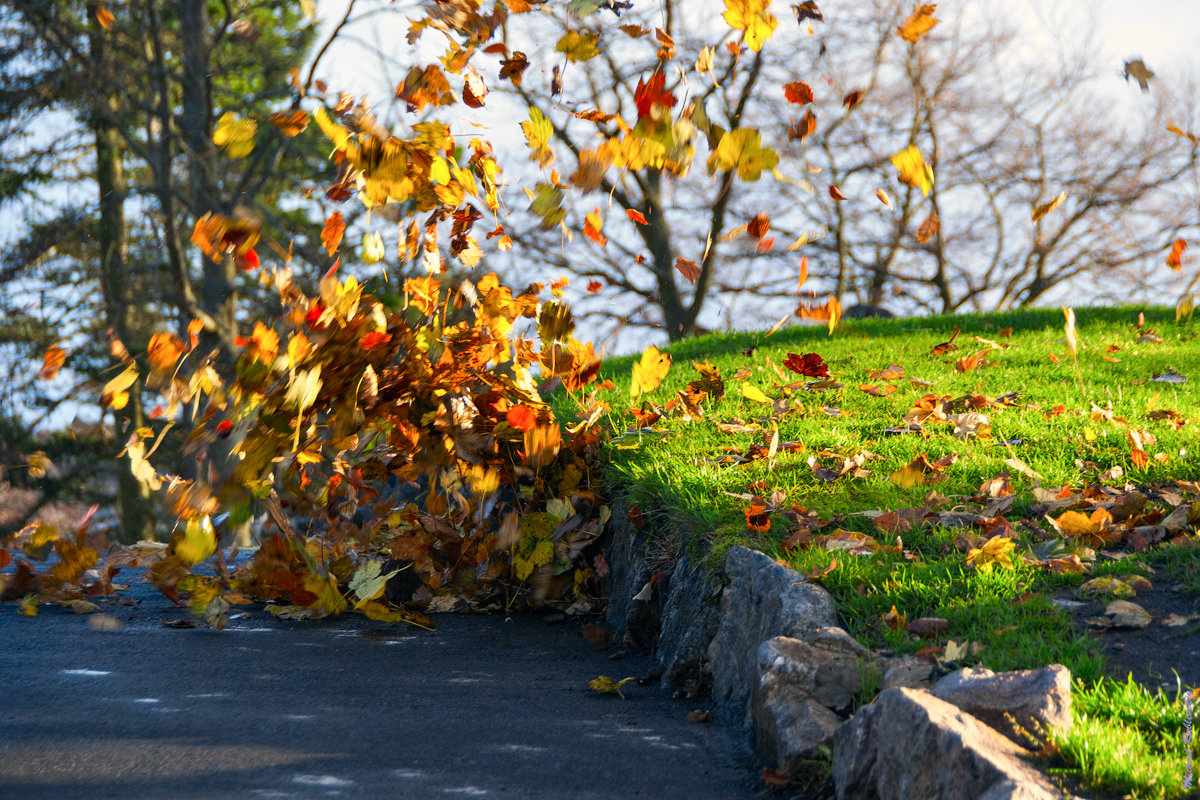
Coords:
pixel 674 475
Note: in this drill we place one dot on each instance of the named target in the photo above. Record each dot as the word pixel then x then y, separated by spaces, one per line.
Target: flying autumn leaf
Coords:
pixel 593 224
pixel 803 273
pixel 234 135
pixel 802 129
pixel 52 361
pixel 798 92
pixel 836 193
pixel 577 46
pixel 474 89
pixel 742 149
pixel 919 23
pixel 115 394
pixel 649 372
pixel 594 286
pixel 830 311
pixel 884 198
pixel 164 351
pixel 514 67
pixel 651 93
pixel 929 228
pixel 853 99
pixel 289 123
pixel 104 18
pixel 331 233
pixel 1175 257
pixel 688 269
pixel 913 170
pixel 1046 208
pixel 636 216
pixel 752 17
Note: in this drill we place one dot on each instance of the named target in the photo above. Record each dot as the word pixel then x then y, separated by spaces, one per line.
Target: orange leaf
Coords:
pixel 757 517
pixel 798 92
pixel 164 351
pixel 1175 258
pixel 836 193
pixel 331 234
pixel 928 228
pixel 970 362
pixel 104 18
pixel 688 269
pixel 290 123
pixel 852 99
pixel 636 216
pixel 803 272
pixel 521 417
pixel 801 130
pixel 759 226
pixel 919 23
pixel 374 339
pixel 52 362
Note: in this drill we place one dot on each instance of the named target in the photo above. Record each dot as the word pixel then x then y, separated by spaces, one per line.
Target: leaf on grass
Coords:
pixel 752 392
pixel 996 551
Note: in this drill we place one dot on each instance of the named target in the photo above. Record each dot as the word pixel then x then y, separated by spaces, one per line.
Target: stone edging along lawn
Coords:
pixel 779 666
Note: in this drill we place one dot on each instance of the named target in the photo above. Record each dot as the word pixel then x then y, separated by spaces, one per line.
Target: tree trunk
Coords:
pixel 136 503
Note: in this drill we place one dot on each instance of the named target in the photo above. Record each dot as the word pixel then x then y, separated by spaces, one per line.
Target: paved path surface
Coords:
pixel 344 708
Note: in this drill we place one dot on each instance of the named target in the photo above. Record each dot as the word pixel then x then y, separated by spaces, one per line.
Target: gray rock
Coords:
pixel 689 620
pixel 832 677
pixel 626 556
pixel 798 689
pixel 1038 700
pixel 834 638
pixel 764 599
pixel 908 671
pixel 790 728
pixel 909 744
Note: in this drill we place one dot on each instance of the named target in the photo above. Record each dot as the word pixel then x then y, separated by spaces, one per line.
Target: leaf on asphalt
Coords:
pixel 603 683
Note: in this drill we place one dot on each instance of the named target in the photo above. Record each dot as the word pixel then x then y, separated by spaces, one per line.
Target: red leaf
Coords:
pixel 594 286
pixel 651 93
pixel 836 193
pixel 757 518
pixel 224 428
pixel 247 261
pixel 636 216
pixel 810 364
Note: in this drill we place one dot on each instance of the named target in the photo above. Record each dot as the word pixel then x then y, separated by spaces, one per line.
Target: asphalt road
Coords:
pixel 342 708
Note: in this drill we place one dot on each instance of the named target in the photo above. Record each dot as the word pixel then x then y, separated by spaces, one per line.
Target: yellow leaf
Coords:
pixel 650 371
pixel 752 392
pixel 1072 342
pixel 752 17
pixel 579 46
pixel 439 170
pixel 197 542
pixel 372 244
pixel 913 170
pixel 742 150
pixel 116 394
pixel 329 598
pixel 603 683
pixel 995 552
pixel 236 136
pixel 28 605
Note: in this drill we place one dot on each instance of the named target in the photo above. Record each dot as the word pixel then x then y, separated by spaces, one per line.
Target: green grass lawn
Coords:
pixel 831 478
